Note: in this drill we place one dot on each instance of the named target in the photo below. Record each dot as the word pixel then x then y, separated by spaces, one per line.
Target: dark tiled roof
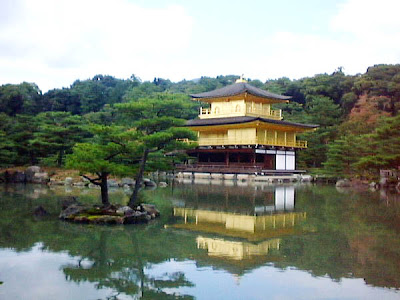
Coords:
pixel 240 120
pixel 237 89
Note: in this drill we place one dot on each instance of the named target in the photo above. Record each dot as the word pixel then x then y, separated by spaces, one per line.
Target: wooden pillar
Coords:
pixel 253 157
pixel 227 158
pixel 265 136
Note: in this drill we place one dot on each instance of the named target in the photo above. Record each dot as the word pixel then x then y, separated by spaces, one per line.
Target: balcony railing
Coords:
pixel 252 111
pixel 205 111
pixel 225 141
pixel 272 114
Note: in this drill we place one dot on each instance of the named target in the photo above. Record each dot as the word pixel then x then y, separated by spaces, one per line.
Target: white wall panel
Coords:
pixel 290 162
pixel 280 162
pixel 289 197
pixel 280 198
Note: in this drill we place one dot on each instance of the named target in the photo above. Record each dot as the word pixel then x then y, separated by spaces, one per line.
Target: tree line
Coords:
pixel 357 115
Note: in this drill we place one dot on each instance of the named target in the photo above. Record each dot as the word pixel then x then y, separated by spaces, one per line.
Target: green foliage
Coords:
pixel 57 134
pixel 107 116
pixel 21 133
pixel 107 152
pixel 382 149
pixel 324 112
pixel 324 99
pixel 366 154
pixel 146 89
pixel 62 100
pixel 348 101
pixel 156 121
pixel 7 147
pixel 342 154
pixel 21 98
pixel 278 86
pixel 381 80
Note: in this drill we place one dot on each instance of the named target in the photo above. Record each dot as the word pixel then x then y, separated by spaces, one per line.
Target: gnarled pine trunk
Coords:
pixel 104 189
pixel 139 176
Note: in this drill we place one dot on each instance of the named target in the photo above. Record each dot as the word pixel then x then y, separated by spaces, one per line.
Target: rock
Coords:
pixel 112 183
pixel 41 178
pixel 306 178
pixel 373 184
pixel 93 186
pixel 18 177
pixel 150 209
pixel 343 183
pixel 137 217
pixel 31 171
pixel 127 181
pixel 68 201
pixel 80 184
pixel 40 211
pixel 80 219
pixel 112 214
pixel 149 183
pixel 68 181
pixel 100 219
pixel 55 182
pixel 71 211
pixel 124 210
pixel 162 184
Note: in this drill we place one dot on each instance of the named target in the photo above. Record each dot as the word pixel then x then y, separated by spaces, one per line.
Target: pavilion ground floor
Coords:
pixel 242 160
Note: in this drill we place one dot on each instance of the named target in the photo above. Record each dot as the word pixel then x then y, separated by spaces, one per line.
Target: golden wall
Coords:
pixel 249 136
pixel 238 108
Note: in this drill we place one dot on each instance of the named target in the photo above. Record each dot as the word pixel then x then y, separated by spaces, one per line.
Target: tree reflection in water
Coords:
pixel 326 233
pixel 116 260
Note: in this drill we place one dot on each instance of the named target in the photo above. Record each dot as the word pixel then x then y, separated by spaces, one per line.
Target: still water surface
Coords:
pixel 212 242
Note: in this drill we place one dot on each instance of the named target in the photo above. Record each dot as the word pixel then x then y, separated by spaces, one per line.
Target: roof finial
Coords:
pixel 241 79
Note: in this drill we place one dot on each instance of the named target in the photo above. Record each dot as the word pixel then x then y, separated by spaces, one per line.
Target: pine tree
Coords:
pixel 159 129
pixel 109 152
pixel 57 134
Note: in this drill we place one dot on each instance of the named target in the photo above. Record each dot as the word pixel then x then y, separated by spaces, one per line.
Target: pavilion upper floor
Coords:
pixel 248 131
pixel 239 108
pixel 238 100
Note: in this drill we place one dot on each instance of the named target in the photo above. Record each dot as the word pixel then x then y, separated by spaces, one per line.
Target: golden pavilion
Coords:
pixel 240 133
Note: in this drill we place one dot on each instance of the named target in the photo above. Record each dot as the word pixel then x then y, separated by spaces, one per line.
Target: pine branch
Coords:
pixel 94 181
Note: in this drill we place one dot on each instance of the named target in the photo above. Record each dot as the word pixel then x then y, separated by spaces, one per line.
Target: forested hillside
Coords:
pixel 358 115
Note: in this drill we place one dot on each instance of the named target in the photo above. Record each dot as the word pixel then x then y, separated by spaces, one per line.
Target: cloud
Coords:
pixel 366 18
pixel 80 36
pixel 361 34
pixel 53 43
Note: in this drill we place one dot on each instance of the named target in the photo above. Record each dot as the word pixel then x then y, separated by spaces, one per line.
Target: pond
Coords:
pixel 213 241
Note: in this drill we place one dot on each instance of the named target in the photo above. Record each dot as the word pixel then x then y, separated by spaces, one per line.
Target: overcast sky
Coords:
pixel 54 42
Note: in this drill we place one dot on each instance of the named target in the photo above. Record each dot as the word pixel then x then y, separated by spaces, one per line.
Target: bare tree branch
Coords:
pixel 94 181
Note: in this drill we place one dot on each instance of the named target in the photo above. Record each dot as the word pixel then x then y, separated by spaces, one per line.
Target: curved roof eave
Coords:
pixel 237 89
pixel 245 119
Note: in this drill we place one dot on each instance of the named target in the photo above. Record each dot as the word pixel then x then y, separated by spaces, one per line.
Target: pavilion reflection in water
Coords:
pixel 239 222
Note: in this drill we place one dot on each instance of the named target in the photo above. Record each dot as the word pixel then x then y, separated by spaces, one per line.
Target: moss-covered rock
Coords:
pixel 113 214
